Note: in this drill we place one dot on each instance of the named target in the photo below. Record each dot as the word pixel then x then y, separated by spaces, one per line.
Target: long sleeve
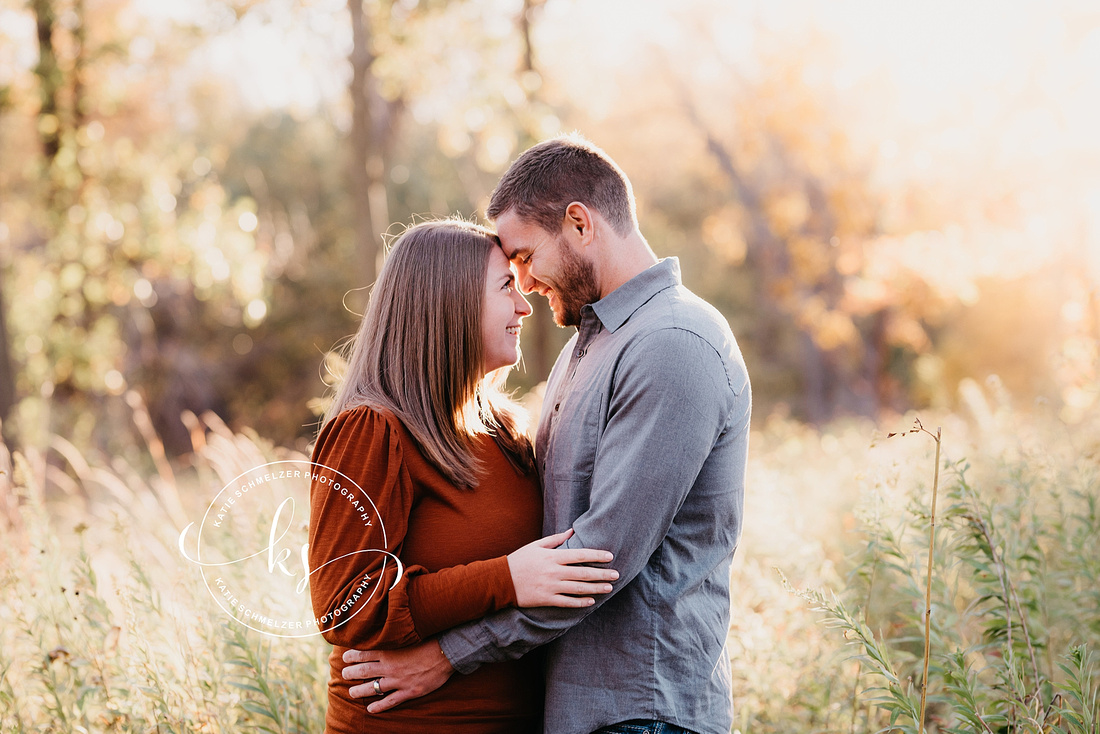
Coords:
pixel 672 402
pixel 361 500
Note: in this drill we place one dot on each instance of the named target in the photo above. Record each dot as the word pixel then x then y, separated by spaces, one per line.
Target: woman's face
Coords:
pixel 502 309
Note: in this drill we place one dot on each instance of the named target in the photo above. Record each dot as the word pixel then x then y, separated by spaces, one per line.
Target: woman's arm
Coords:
pixel 359 591
pixel 361 594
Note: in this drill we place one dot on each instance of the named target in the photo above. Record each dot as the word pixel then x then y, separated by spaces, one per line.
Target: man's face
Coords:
pixel 548 264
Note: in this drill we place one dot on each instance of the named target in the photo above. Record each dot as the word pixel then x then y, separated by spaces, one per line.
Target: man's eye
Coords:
pixel 527 260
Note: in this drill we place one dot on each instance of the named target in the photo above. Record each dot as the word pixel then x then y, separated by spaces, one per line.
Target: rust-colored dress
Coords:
pixel 453 543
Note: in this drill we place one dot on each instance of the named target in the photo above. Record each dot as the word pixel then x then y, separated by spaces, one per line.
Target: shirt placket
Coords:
pixel 589 328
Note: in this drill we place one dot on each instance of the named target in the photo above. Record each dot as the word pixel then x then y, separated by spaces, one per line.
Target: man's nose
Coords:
pixel 524 280
pixel 523 306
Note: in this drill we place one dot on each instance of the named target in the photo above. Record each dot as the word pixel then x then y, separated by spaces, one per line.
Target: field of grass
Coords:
pixel 106 627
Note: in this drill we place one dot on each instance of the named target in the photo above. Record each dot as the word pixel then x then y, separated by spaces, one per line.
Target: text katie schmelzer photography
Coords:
pixel 249 530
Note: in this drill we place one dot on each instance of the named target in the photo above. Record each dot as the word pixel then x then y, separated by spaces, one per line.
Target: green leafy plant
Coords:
pixel 1007 589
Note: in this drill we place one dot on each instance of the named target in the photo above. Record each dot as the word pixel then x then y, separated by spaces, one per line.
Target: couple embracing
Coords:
pixel 616 620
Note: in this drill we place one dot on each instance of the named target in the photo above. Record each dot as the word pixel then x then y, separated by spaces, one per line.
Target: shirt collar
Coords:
pixel 620 304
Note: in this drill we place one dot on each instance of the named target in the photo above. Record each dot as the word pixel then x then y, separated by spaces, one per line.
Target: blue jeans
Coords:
pixel 642 727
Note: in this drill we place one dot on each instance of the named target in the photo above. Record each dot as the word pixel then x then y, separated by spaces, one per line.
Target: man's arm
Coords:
pixel 671 401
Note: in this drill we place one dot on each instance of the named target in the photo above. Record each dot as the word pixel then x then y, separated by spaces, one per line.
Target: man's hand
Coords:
pixel 401 675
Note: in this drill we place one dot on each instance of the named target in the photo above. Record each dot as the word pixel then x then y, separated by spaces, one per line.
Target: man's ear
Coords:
pixel 578 224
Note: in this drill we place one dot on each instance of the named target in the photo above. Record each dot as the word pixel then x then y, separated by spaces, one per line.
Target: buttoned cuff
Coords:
pixel 467 647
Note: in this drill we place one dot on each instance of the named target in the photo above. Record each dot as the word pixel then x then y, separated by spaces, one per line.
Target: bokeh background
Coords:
pixel 897 207
pixel 884 201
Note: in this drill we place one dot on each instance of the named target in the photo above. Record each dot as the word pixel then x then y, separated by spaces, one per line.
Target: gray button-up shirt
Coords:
pixel 641 447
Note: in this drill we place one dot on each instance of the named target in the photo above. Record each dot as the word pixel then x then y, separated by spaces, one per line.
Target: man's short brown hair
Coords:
pixel 548 177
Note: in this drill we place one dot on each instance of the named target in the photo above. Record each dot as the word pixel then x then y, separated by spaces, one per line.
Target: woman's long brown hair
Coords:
pixel 418 353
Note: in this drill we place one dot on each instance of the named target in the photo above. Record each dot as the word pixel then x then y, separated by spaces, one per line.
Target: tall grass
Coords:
pixel 1013 578
pixel 107 628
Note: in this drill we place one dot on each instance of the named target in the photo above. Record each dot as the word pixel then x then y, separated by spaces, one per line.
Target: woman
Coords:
pixel 420 425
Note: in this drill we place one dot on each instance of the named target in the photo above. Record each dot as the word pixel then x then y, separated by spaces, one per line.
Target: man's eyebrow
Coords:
pixel 518 252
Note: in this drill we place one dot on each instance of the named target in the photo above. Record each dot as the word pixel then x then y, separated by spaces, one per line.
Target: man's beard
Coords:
pixel 576 286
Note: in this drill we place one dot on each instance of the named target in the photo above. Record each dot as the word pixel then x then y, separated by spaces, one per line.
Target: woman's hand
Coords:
pixel 547 576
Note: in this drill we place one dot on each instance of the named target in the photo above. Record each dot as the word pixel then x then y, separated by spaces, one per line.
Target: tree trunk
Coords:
pixel 7 367
pixel 830 385
pixel 366 233
pixel 539 360
pixel 49 78
pixel 80 58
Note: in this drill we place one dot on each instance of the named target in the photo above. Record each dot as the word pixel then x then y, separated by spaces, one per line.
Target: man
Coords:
pixel 641 448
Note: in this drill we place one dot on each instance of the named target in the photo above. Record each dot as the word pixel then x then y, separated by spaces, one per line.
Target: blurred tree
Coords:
pixel 179 253
pixel 540 353
pixel 774 218
pixel 437 111
pixel 479 90
pixel 7 364
pixel 373 127
pixel 158 235
pixel 114 213
pixel 794 221
pixel 49 76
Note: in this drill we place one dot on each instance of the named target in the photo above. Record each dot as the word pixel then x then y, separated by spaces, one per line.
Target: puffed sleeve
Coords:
pixel 362 596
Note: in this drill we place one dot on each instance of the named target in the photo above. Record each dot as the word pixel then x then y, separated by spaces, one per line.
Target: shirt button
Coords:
pixel 558 405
